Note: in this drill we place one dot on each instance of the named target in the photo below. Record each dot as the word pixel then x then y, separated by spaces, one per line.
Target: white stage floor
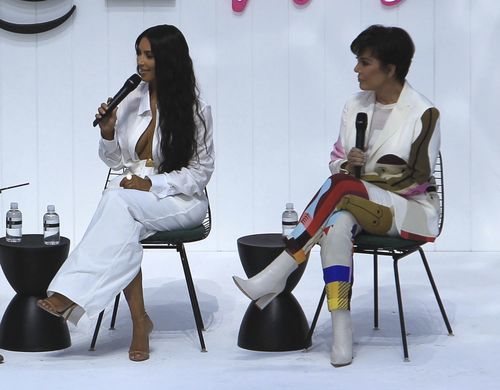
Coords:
pixel 469 284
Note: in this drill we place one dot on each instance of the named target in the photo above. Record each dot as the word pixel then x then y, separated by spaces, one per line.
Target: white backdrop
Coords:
pixel 276 76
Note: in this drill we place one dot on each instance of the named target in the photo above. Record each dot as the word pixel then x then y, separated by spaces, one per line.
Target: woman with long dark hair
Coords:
pixel 161 135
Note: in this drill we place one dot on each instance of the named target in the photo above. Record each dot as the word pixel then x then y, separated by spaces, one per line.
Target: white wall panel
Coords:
pixel 125 23
pixel 234 124
pixel 373 12
pixel 307 115
pixel 198 24
pixel 90 87
pixel 276 76
pixel 3 57
pixel 19 149
pixel 452 97
pixel 484 135
pixel 340 79
pixel 54 167
pixel 271 154
pixel 417 17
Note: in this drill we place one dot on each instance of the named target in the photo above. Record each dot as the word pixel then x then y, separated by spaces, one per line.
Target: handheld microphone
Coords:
pixel 131 84
pixel 361 123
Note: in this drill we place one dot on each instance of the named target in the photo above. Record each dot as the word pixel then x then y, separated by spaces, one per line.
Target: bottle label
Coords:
pixel 12 224
pixel 47 225
pixel 289 223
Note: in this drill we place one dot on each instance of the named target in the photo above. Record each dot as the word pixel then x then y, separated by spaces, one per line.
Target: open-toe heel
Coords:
pixel 137 355
pixel 46 305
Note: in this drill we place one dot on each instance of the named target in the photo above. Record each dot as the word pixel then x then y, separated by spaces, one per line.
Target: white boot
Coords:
pixel 342 338
pixel 269 282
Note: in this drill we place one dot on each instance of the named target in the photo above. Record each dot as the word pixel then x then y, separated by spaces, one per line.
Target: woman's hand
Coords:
pixel 136 183
pixel 107 124
pixel 355 158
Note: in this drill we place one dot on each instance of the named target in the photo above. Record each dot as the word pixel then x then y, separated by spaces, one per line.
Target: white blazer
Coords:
pixel 133 117
pixel 402 159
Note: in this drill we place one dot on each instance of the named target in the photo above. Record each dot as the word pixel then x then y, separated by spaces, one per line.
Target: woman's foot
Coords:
pixel 57 305
pixel 139 348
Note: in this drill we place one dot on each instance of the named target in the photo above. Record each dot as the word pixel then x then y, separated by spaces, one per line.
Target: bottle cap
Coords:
pixel 289 206
pixel 14 205
pixel 51 208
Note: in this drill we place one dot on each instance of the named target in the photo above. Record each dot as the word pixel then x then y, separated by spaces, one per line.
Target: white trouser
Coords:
pixel 109 255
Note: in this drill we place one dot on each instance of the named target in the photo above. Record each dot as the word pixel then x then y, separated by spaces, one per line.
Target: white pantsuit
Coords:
pixel 109 255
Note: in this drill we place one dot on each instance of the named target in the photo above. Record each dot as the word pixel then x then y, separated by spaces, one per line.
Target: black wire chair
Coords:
pixel 174 239
pixel 397 248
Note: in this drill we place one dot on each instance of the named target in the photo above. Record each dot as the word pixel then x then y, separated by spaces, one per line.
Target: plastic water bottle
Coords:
pixel 51 232
pixel 14 224
pixel 289 220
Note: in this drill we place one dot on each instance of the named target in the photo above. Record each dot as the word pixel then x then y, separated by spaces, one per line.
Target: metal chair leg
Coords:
pixel 315 319
pixel 436 293
pixel 401 315
pixel 192 295
pixel 96 331
pixel 375 291
pixel 115 311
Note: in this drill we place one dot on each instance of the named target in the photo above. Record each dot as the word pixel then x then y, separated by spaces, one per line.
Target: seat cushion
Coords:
pixel 371 241
pixel 177 236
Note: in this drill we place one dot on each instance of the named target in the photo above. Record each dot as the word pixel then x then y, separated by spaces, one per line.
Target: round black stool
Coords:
pixel 29 266
pixel 282 325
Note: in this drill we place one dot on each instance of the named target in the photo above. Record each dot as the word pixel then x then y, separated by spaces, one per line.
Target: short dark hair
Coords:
pixel 390 45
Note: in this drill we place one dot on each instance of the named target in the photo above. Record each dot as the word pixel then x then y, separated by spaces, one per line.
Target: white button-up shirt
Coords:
pixel 133 117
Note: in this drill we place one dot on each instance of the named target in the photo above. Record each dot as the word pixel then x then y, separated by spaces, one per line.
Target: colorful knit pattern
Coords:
pixel 338 282
pixel 318 212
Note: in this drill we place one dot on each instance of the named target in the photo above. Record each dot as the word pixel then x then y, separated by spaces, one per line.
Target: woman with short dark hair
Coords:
pixel 161 135
pixel 395 194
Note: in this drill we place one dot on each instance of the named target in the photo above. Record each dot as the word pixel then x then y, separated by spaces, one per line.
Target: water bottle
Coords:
pixel 14 224
pixel 51 235
pixel 289 220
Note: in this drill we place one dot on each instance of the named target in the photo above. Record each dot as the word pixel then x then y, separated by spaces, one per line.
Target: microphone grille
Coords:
pixel 361 120
pixel 135 79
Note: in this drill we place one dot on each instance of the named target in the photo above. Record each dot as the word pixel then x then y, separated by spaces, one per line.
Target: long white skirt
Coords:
pixel 109 255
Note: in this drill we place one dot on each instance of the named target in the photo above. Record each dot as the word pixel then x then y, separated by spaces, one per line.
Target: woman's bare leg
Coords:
pixel 142 324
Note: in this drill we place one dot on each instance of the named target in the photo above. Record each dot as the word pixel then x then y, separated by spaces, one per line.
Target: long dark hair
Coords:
pixel 177 95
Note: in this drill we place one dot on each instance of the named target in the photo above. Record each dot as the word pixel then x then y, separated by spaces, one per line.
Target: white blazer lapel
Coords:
pixel 394 122
pixel 141 122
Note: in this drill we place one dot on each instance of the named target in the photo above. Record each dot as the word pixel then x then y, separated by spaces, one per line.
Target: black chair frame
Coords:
pixel 177 243
pixel 398 249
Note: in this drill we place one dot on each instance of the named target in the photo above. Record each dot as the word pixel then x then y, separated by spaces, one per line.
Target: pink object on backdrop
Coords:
pixel 301 2
pixel 239 5
pixel 390 2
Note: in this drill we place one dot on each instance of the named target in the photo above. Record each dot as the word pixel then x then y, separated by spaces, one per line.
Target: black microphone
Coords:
pixel 131 84
pixel 361 123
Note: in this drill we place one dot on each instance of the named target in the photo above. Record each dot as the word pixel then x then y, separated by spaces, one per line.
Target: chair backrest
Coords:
pixel 439 176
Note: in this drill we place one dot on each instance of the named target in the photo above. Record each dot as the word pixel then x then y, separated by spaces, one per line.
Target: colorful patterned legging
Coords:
pixel 335 215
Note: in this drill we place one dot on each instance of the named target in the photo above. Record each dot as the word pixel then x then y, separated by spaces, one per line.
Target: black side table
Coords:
pixel 282 325
pixel 29 266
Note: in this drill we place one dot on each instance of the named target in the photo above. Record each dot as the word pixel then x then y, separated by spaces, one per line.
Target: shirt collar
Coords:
pixel 144 106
